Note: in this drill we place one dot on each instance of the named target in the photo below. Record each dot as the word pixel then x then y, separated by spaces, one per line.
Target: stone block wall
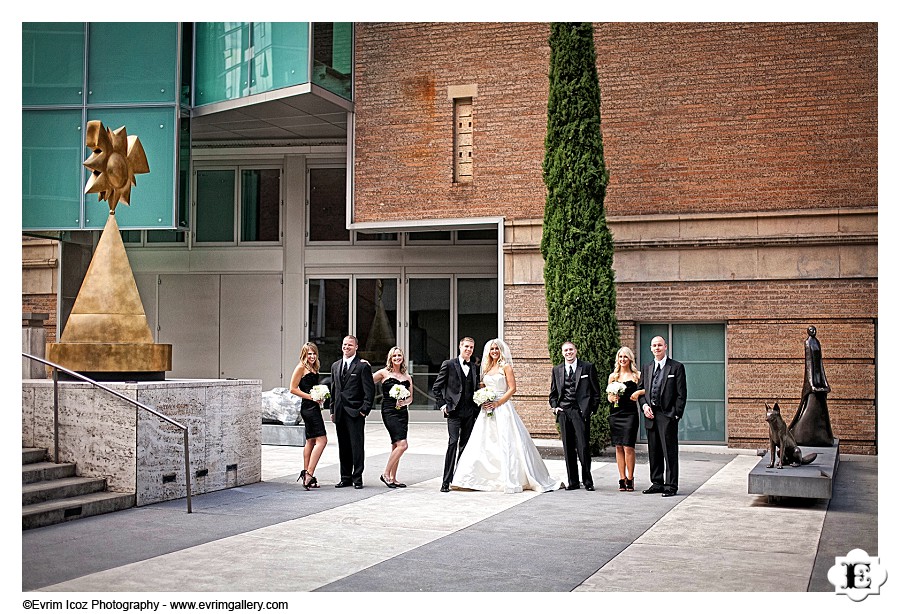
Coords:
pixel 134 450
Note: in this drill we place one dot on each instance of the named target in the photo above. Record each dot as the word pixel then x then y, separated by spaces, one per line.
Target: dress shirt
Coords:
pixel 465 367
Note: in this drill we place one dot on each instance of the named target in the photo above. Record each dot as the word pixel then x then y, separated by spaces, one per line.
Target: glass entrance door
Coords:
pixel 428 301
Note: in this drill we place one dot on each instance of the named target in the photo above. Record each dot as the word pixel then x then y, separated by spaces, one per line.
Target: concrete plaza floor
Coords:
pixel 276 537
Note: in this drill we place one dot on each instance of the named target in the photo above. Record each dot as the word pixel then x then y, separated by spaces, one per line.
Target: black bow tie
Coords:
pixel 466 363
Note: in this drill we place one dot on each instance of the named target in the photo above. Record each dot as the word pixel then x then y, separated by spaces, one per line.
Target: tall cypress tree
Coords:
pixel 577 245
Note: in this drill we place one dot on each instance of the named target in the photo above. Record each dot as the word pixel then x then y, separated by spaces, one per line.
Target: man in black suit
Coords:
pixel 352 396
pixel 453 390
pixel 665 394
pixel 574 395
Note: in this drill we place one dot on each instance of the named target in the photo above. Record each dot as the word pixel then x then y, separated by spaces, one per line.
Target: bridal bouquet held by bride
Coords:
pixel 500 455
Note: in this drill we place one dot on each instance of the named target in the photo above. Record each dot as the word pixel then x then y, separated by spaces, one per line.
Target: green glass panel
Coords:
pixel 165 236
pixel 436 235
pixel 187 62
pixel 705 380
pixel 333 57
pixel 131 236
pixel 698 342
pixel 280 55
pixel 702 421
pixel 260 204
pixel 489 234
pixel 184 170
pixel 328 204
pixel 132 63
pixel 215 206
pixel 476 309
pixel 648 332
pixel 221 69
pixel 52 63
pixel 52 153
pixel 153 196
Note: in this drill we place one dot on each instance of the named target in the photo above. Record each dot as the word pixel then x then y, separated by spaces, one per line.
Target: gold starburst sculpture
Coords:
pixel 106 335
pixel 115 160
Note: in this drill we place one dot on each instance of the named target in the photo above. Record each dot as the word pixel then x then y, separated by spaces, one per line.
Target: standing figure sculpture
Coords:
pixel 811 425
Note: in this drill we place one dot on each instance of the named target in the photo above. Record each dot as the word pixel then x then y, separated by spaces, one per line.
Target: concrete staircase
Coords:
pixel 52 493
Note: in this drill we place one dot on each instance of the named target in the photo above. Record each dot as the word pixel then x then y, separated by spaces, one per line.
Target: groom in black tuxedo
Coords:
pixel 352 396
pixel 663 401
pixel 574 396
pixel 453 390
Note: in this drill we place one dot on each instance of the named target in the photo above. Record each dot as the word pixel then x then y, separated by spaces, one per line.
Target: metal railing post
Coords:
pixel 187 469
pixel 56 416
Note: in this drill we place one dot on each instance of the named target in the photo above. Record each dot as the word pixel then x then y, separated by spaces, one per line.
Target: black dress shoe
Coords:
pixel 653 490
pixel 343 484
pixel 573 486
pixel 358 486
pixel 445 488
pixel 589 487
pixel 386 483
pixel 670 493
pixel 398 484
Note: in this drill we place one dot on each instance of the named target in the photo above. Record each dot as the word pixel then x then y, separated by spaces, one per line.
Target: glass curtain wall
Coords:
pixel 328 317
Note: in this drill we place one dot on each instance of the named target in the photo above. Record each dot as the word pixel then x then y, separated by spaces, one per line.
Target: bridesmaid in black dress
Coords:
pixel 623 420
pixel 394 411
pixel 305 376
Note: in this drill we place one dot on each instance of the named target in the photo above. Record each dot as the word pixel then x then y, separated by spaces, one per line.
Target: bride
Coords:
pixel 500 455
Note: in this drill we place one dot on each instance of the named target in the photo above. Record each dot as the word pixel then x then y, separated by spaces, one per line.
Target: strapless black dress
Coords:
pixel 623 420
pixel 310 410
pixel 396 421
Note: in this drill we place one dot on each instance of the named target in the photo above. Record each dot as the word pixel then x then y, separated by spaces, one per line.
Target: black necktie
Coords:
pixel 344 371
pixel 570 373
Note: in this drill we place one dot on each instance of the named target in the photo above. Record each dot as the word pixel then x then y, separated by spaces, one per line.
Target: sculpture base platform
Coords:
pixel 113 361
pixel 283 435
pixel 812 481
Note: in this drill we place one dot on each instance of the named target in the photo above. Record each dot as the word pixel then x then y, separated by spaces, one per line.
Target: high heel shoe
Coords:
pixel 629 485
pixel 621 485
pixel 386 483
pixel 313 482
pixel 302 475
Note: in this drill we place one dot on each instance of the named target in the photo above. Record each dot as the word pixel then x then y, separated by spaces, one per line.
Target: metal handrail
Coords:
pixel 57 368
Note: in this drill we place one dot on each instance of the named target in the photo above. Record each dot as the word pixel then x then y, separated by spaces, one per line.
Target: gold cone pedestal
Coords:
pixel 107 336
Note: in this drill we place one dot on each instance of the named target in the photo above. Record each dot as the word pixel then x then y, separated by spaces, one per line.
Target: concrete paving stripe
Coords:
pixel 720 527
pixel 309 552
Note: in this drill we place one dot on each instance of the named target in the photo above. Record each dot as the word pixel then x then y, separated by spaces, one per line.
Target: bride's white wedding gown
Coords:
pixel 500 455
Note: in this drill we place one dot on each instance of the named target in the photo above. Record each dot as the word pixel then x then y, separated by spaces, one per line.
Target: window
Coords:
pixel 701 348
pixel 251 195
pixel 328 205
pixel 462 140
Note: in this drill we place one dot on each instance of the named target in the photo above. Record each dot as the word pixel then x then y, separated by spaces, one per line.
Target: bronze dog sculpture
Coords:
pixel 780 437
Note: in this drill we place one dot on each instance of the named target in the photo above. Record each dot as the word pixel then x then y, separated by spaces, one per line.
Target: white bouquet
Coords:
pixel 399 392
pixel 319 393
pixel 483 395
pixel 617 389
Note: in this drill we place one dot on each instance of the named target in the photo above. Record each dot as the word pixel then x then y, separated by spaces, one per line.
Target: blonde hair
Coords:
pixel 487 363
pixel 390 354
pixel 304 352
pixel 631 368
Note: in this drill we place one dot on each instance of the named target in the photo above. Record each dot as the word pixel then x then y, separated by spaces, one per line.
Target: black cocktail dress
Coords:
pixel 396 421
pixel 310 410
pixel 623 420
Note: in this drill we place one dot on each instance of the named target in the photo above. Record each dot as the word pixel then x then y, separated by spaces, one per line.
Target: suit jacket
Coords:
pixel 448 386
pixel 356 394
pixel 587 390
pixel 673 391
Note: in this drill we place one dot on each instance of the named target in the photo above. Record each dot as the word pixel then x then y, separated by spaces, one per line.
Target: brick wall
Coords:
pixel 697 118
pixel 42 303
